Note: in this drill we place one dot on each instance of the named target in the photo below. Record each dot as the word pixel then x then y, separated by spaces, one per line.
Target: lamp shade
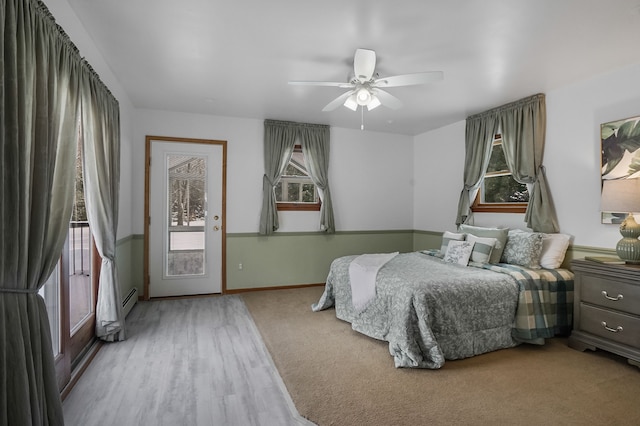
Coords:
pixel 373 103
pixel 351 103
pixel 621 195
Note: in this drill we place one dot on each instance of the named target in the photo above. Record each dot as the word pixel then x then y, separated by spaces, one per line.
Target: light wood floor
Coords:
pixel 197 361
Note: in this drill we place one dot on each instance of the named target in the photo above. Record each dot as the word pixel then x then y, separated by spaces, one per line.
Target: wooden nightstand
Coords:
pixel 606 309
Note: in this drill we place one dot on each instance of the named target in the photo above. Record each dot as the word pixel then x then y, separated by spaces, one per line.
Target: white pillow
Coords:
pixel 554 248
pixel 458 252
pixel 448 237
pixel 482 248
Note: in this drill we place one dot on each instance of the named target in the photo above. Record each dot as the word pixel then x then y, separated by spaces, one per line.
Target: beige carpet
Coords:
pixel 339 377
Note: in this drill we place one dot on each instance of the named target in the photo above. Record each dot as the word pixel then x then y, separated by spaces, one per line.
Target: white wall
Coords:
pixel 376 168
pixel 372 180
pixel 574 116
pixel 572 160
pixel 438 165
pixel 67 19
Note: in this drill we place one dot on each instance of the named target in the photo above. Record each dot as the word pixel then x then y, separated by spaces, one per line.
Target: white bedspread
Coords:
pixel 363 271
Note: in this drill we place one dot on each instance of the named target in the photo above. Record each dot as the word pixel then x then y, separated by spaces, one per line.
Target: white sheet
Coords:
pixel 363 271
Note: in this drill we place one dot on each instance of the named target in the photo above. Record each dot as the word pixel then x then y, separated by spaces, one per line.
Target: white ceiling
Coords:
pixel 234 58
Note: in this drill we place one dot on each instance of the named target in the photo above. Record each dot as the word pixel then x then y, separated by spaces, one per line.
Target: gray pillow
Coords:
pixel 523 249
pixel 499 234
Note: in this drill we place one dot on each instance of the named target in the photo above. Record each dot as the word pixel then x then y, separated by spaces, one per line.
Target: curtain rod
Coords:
pixel 519 102
pixel 44 11
pixel 293 124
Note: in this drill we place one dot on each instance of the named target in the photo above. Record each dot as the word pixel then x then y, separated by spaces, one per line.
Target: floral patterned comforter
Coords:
pixel 429 310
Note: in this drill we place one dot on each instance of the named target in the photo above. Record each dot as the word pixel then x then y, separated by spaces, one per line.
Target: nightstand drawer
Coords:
pixel 614 326
pixel 611 294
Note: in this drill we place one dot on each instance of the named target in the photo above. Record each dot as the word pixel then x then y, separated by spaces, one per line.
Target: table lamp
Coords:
pixel 623 196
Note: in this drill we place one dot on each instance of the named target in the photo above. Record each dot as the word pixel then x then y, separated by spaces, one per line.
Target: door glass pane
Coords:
pixel 50 292
pixel 186 196
pixel 81 303
pixel 80 289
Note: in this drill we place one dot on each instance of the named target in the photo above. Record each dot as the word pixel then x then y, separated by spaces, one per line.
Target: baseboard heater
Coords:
pixel 129 301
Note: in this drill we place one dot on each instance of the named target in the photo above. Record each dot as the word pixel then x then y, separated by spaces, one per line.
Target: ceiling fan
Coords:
pixel 366 87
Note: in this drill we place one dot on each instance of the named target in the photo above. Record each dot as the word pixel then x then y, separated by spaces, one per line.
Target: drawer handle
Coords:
pixel 615 299
pixel 613 330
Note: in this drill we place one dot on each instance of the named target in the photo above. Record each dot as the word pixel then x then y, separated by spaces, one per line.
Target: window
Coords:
pixel 499 191
pixel 296 190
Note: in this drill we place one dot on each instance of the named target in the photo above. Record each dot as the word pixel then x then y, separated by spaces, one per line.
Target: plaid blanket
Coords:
pixel 545 301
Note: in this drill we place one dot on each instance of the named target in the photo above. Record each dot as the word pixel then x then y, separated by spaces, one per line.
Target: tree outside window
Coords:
pixel 499 191
pixel 296 190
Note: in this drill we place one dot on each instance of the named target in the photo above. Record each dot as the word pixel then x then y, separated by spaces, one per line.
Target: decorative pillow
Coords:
pixel 500 234
pixel 458 252
pixel 482 248
pixel 447 237
pixel 523 249
pixel 554 248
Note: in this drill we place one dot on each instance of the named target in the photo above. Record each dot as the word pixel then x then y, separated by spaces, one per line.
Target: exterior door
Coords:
pixel 71 292
pixel 185 217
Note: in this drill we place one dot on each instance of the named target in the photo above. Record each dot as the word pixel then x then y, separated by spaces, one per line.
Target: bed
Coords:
pixel 430 309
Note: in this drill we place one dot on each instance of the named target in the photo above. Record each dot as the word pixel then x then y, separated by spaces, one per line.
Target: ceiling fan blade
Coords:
pixel 409 79
pixel 387 99
pixel 364 64
pixel 337 101
pixel 322 83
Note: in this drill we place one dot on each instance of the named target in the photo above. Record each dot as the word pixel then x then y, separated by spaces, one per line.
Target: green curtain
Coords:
pixel 279 141
pixel 39 107
pixel 479 133
pixel 101 165
pixel 523 125
pixel 315 147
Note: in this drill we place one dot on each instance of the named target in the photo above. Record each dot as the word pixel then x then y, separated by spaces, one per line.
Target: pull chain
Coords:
pixel 362 117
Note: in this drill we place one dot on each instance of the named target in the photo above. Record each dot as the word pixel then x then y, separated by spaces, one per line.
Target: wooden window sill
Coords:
pixel 297 207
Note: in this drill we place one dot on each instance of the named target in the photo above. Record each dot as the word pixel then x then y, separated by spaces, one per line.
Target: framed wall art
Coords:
pixel 620 150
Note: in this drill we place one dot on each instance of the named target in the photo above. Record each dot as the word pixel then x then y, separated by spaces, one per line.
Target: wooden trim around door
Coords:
pixel 147 187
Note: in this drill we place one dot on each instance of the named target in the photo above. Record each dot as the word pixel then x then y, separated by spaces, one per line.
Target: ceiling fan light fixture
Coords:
pixel 351 103
pixel 363 96
pixel 373 103
pixel 366 86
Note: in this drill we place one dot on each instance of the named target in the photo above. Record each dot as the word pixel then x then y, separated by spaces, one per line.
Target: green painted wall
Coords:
pixel 423 240
pixel 129 261
pixel 123 264
pixel 288 259
pixel 300 258
pixel 579 252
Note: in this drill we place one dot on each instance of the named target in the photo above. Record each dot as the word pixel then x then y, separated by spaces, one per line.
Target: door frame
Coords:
pixel 77 350
pixel 147 192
